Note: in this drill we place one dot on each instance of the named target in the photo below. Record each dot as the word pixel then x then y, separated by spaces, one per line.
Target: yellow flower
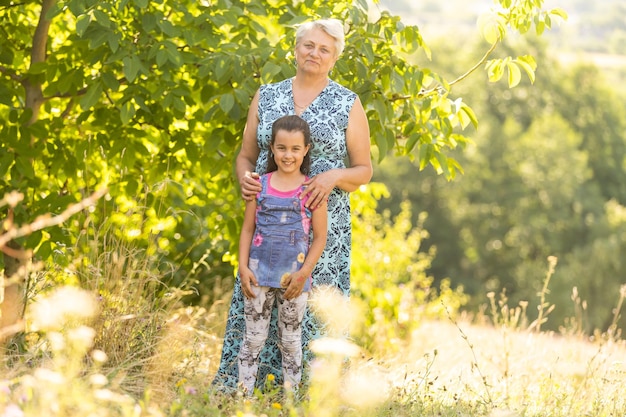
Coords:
pixel 271 377
pixel 283 281
pixel 277 406
pixel 301 257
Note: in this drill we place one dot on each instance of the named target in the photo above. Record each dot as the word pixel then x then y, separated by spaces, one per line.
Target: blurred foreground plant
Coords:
pixel 67 379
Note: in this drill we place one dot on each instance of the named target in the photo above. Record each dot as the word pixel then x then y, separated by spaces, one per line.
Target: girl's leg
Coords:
pixel 290 314
pixel 258 312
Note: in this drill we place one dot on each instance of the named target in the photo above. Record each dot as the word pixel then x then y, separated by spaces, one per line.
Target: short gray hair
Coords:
pixel 332 27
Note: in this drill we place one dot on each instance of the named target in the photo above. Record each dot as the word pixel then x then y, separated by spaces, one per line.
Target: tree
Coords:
pixel 149 98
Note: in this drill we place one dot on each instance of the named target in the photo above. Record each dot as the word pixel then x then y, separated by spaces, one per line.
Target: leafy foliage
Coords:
pixel 544 178
pixel 389 274
pixel 150 99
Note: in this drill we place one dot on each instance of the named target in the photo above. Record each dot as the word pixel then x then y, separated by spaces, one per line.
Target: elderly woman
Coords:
pixel 340 133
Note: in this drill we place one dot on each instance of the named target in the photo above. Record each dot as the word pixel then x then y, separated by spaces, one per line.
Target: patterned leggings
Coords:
pixel 258 312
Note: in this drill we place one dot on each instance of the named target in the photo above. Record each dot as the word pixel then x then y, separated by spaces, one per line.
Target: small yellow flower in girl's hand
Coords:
pixel 301 257
pixel 283 279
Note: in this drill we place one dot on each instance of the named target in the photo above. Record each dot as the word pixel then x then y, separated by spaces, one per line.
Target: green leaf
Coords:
pixel 148 21
pixel 77 7
pixel 269 71
pixel 25 167
pixel 443 164
pixel 127 112
pixel 114 41
pixel 413 139
pixel 515 75
pixel 226 102
pixel 92 96
pixel 110 81
pixel 223 69
pixel 559 12
pixel 102 18
pixel 6 160
pixel 82 23
pixel 467 110
pixel 489 28
pixel 131 67
pixel 173 55
pixel 495 69
pixel 529 65
pixel 426 151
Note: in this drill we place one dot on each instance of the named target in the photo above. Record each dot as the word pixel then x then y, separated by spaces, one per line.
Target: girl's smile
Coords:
pixel 289 150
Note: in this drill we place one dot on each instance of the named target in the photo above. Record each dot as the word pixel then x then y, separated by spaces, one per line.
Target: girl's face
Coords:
pixel 316 52
pixel 289 150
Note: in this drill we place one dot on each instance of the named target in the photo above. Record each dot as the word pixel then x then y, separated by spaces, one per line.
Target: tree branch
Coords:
pixel 46 220
pixel 475 67
pixel 11 74
pixel 34 93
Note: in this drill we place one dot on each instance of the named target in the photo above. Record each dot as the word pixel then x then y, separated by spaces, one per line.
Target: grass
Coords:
pixel 445 368
pixel 119 343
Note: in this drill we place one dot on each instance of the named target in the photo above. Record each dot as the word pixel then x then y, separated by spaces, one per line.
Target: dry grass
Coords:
pixel 513 369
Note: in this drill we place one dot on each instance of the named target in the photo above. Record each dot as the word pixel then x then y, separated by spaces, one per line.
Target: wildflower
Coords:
pixel 181 382
pixel 330 346
pixel 283 279
pixel 63 304
pixel 364 388
pixel 98 380
pixel 82 336
pixel 12 410
pixel 191 390
pixel 277 406
pixel 271 377
pixel 4 387
pixel 99 356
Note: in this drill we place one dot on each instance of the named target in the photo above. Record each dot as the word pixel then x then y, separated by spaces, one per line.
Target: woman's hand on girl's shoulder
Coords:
pixel 250 185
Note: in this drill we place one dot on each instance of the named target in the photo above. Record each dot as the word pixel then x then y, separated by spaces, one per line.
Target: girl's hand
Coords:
pixel 247 279
pixel 319 188
pixel 294 283
pixel 250 185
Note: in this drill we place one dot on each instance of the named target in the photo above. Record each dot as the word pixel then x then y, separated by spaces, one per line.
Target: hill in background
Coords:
pixel 594 32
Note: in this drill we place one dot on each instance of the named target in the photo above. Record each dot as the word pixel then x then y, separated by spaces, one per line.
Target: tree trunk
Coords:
pixel 12 300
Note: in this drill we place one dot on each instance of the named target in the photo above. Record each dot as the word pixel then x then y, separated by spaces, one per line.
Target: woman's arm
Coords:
pixel 245 162
pixel 360 170
pixel 245 241
pixel 297 280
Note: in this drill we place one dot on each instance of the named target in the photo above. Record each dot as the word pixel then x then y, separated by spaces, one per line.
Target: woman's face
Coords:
pixel 316 52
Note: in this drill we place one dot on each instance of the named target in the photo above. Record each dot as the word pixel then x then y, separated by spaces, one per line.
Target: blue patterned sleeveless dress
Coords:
pixel 327 116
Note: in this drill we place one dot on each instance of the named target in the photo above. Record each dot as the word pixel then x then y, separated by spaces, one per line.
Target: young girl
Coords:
pixel 276 257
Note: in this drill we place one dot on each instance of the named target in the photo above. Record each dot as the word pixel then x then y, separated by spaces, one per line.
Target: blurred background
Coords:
pixel 546 174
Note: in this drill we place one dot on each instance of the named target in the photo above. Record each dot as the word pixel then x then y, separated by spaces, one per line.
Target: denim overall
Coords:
pixel 279 247
pixel 281 240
